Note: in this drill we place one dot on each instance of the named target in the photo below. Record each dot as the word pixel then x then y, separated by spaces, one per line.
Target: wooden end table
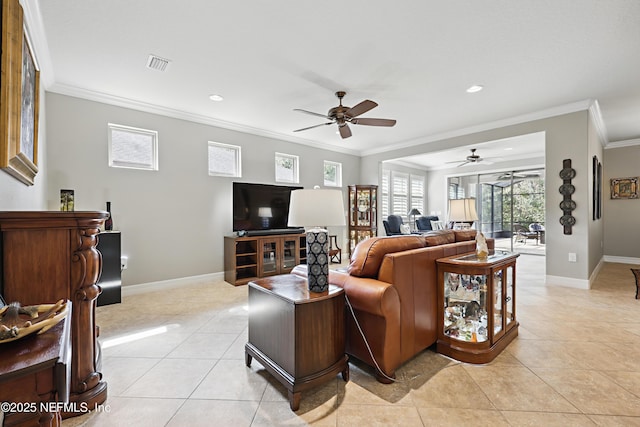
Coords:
pixel 477 305
pixel 297 335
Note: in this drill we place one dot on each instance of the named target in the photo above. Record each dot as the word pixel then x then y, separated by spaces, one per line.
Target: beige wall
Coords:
pixel 567 137
pixel 596 227
pixel 172 220
pixel 621 225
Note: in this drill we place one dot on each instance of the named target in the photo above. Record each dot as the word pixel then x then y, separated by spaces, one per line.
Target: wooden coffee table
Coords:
pixel 297 335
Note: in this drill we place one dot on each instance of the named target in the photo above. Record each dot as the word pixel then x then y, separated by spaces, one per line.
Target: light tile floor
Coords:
pixel 575 363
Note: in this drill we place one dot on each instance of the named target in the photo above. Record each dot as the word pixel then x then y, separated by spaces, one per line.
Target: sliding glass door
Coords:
pixel 511 209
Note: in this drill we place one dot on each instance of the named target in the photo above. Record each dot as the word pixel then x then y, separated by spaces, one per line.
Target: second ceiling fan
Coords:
pixel 472 158
pixel 343 116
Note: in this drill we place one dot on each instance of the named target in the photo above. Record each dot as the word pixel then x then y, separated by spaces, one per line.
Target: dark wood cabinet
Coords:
pixel 111 278
pixel 249 258
pixel 363 214
pixel 477 305
pixel 297 335
pixel 48 256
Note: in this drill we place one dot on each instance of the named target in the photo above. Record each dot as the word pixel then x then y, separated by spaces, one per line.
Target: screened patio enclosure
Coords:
pixel 510 207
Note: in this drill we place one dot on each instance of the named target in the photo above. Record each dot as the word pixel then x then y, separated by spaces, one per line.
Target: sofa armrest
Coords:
pixel 370 295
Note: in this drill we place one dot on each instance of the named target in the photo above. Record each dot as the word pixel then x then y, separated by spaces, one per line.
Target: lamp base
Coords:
pixel 318 260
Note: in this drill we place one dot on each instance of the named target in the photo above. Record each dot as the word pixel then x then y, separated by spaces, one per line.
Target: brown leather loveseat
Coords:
pixel 391 284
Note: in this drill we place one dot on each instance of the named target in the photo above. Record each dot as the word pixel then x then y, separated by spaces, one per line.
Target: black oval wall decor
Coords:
pixel 567 189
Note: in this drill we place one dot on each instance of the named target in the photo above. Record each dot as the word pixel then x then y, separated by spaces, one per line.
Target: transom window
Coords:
pixel 132 148
pixel 287 168
pixel 332 174
pixel 224 160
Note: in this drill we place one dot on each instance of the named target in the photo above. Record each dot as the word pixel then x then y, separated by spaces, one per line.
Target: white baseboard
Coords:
pixel 595 271
pixel 622 259
pixel 567 282
pixel 169 284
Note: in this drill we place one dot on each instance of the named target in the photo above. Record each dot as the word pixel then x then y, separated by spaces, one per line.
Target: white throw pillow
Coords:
pixel 404 229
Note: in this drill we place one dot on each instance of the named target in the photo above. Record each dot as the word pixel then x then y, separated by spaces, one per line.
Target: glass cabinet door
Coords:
pixel 364 207
pixel 498 276
pixel 374 203
pixel 269 266
pixel 289 251
pixel 353 212
pixel 465 310
pixel 510 315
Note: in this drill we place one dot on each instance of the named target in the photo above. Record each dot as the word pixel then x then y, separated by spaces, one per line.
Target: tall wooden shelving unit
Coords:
pixel 363 214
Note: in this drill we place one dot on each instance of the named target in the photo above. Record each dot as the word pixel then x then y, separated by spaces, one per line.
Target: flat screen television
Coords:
pixel 261 208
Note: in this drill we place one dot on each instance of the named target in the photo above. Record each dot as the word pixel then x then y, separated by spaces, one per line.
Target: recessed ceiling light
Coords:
pixel 216 98
pixel 475 88
pixel 508 149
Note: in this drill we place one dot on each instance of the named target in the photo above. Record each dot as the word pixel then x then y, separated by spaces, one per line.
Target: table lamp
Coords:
pixel 309 209
pixel 413 212
pixel 462 210
pixel 265 213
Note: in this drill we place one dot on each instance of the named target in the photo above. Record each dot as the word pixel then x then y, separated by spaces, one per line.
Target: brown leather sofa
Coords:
pixel 391 284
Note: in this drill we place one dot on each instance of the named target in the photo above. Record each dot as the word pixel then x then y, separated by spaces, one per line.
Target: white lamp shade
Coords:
pixel 265 212
pixel 463 210
pixel 317 207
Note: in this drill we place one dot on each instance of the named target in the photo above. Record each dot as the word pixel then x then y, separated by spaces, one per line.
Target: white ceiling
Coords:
pixel 415 58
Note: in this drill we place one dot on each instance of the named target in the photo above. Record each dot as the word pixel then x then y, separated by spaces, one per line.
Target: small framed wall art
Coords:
pixel 624 188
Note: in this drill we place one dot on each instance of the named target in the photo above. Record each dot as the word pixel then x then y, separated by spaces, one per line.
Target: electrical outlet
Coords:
pixel 572 257
pixel 124 262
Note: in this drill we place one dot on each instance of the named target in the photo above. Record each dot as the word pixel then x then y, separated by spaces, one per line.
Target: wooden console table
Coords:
pixel 297 335
pixel 251 257
pixel 477 305
pixel 48 256
pixel 36 369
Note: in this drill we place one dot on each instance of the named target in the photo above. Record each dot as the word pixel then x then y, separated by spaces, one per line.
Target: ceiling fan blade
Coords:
pixel 361 108
pixel 345 132
pixel 324 116
pixel 374 122
pixel 315 126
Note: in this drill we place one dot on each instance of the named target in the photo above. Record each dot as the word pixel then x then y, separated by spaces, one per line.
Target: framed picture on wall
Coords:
pixel 624 188
pixel 599 190
pixel 19 90
pixel 594 185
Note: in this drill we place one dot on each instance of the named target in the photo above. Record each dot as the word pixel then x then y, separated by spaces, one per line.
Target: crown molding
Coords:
pixel 524 118
pixel 596 115
pixel 118 101
pixel 625 143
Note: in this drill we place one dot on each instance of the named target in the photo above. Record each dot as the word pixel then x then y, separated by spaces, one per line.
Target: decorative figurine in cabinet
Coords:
pixel 477 316
pixel 363 218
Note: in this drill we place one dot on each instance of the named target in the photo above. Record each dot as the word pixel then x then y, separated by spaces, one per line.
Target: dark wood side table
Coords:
pixel 33 370
pixel 297 335
pixel 477 305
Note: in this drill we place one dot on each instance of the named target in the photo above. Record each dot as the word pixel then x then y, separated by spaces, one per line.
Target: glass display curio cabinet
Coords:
pixel 363 214
pixel 476 305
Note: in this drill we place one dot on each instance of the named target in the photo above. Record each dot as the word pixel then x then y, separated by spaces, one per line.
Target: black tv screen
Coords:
pixel 260 206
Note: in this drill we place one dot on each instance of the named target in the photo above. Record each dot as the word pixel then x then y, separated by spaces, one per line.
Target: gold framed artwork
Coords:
pixel 624 188
pixel 19 97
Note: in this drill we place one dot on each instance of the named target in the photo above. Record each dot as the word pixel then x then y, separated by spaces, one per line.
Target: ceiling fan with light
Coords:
pixel 472 158
pixel 506 176
pixel 343 116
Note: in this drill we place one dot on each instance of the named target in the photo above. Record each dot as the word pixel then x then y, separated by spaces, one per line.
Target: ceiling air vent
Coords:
pixel 157 63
